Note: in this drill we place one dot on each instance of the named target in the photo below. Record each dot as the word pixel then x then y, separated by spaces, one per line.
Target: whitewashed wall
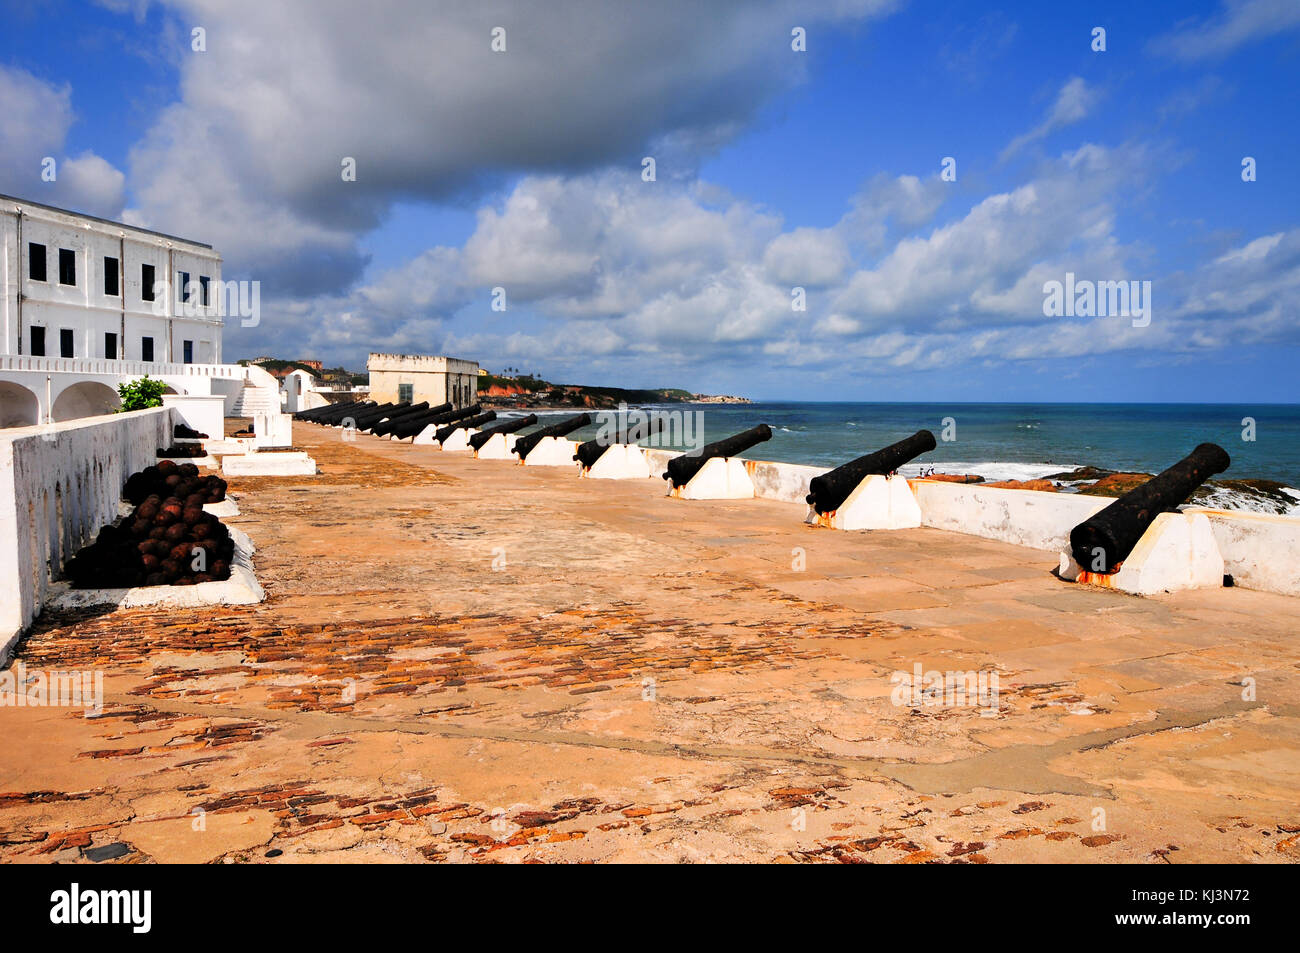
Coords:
pixel 58 485
pixel 1261 551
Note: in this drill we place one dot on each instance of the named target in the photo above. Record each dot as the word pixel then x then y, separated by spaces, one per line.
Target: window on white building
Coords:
pixel 146 287
pixel 67 266
pixel 185 287
pixel 110 276
pixel 66 343
pixel 37 341
pixel 36 261
pixel 110 346
pixel 203 290
pixel 187 347
pixel 146 347
pixel 404 392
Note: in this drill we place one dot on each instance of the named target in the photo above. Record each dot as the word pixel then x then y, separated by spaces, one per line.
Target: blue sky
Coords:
pixel 775 169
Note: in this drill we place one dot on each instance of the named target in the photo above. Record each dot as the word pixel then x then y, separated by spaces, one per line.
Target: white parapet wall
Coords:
pixel 787 482
pixel 1026 517
pixel 59 484
pixel 1260 551
pixel 202 412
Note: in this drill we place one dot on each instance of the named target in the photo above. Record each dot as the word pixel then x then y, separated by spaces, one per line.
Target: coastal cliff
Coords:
pixel 533 392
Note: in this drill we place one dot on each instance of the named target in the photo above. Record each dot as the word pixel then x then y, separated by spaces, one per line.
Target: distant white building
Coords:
pixel 86 303
pixel 419 377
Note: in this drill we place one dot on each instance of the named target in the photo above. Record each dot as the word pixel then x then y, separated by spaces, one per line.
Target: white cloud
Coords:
pixel 34 125
pixel 807 257
pixel 1074 101
pixel 414 92
pixel 1239 23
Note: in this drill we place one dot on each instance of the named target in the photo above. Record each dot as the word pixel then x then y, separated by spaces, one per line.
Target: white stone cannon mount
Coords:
pixel 620 461
pixel 458 440
pixel 500 446
pixel 721 478
pixel 551 452
pixel 1178 551
pixel 878 502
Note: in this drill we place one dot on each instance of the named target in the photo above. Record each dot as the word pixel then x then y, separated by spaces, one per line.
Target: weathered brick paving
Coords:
pixel 644 679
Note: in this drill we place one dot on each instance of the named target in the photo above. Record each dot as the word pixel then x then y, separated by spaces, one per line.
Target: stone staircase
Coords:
pixel 259 394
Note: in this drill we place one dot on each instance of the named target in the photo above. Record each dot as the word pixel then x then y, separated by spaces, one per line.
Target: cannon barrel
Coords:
pixel 510 426
pixel 383 427
pixel 316 412
pixel 374 420
pixel 591 451
pixel 365 421
pixel 524 445
pixel 337 420
pixel 414 425
pixel 334 412
pixel 444 432
pixel 681 469
pixel 828 492
pixel 1113 532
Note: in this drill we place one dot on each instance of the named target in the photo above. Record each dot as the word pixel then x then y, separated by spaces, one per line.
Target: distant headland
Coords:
pixel 533 392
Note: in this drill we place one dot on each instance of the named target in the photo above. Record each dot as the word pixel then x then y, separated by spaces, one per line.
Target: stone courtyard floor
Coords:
pixel 465 660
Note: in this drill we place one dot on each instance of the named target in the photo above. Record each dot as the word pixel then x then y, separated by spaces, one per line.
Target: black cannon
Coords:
pixel 591 451
pixel 384 427
pixel 510 426
pixel 681 469
pixel 414 425
pixel 524 445
pixel 353 418
pixel 1104 540
pixel 828 492
pixel 335 412
pixel 316 413
pixel 444 432
pixel 370 421
pixel 342 418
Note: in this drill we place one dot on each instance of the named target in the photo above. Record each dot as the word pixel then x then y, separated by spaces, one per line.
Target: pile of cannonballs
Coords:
pixel 182 450
pixel 168 540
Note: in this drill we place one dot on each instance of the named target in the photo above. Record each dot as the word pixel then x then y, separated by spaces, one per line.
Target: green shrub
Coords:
pixel 139 394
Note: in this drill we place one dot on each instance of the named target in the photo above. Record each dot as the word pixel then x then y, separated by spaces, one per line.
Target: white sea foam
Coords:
pixel 991 472
pixel 1231 498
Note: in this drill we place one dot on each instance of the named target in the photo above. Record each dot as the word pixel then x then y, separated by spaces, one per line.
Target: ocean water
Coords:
pixel 1015 441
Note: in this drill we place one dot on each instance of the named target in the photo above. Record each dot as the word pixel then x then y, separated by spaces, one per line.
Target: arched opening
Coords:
pixel 86 399
pixel 18 406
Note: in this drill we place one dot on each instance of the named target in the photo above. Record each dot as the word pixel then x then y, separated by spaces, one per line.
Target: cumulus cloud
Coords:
pixel 416 95
pixel 603 269
pixel 34 125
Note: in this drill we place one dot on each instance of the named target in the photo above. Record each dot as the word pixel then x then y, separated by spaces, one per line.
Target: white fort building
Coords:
pixel 87 303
